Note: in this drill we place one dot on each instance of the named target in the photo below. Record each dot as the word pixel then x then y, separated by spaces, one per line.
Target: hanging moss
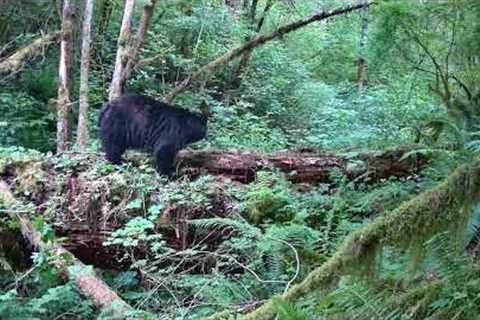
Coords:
pixel 444 208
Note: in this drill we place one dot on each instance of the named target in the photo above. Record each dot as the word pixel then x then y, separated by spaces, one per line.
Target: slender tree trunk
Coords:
pixel 259 40
pixel 362 60
pixel 147 13
pixel 64 104
pixel 237 80
pixel 121 60
pixel 235 7
pixel 105 12
pixel 82 131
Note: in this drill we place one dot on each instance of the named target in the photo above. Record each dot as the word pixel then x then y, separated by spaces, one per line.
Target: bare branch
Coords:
pixel 255 42
pixel 152 59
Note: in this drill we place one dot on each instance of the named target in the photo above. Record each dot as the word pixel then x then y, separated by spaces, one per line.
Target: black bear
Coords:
pixel 138 121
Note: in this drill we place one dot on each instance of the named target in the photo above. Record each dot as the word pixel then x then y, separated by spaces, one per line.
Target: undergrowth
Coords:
pixel 174 245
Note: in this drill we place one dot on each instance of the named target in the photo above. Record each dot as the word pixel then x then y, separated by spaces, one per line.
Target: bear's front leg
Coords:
pixel 165 156
pixel 113 153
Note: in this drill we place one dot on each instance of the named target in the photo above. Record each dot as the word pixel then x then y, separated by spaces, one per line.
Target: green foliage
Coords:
pixel 269 199
pixel 452 292
pixel 287 311
pixel 40 293
pixel 137 231
pixel 61 302
pixel 194 239
pixel 25 122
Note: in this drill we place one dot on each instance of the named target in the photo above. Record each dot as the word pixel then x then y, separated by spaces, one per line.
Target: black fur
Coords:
pixel 138 121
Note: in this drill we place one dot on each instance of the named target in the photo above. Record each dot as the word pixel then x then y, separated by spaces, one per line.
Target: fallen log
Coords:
pixel 15 61
pixel 83 277
pixel 303 166
pixel 86 212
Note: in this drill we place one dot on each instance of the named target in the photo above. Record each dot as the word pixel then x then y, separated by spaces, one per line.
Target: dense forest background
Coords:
pixel 370 214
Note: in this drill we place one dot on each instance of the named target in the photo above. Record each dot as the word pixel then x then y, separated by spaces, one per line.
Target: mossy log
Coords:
pixel 303 166
pixel 15 61
pixel 84 277
pixel 446 207
pixel 84 207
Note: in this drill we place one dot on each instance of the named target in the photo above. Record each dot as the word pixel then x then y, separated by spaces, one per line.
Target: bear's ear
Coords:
pixel 205 109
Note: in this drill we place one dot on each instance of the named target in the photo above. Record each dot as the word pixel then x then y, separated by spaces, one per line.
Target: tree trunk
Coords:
pixel 362 60
pixel 64 104
pixel 142 29
pixel 121 60
pixel 82 131
pixel 15 61
pixel 255 42
pixel 84 278
pixel 304 166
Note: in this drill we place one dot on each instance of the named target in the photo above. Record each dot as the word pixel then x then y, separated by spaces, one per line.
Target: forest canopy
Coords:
pixel 315 159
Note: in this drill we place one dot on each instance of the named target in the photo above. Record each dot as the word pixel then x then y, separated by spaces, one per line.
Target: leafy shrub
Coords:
pixel 26 122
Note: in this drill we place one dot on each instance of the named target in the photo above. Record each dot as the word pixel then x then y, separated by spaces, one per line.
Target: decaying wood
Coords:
pixel 306 166
pixel 15 61
pixel 255 42
pixel 84 278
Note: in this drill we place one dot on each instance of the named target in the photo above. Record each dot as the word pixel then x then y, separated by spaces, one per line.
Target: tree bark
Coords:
pixel 305 166
pixel 64 104
pixel 255 42
pixel 15 61
pixel 147 13
pixel 85 280
pixel 82 131
pixel 121 60
pixel 362 59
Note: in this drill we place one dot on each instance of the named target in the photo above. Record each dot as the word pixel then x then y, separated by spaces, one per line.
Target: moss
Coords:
pixel 445 207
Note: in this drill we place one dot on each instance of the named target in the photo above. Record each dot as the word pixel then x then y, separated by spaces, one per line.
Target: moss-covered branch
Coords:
pixel 446 207
pixel 15 61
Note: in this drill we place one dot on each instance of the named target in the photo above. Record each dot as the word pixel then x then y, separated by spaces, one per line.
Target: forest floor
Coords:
pixel 128 217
